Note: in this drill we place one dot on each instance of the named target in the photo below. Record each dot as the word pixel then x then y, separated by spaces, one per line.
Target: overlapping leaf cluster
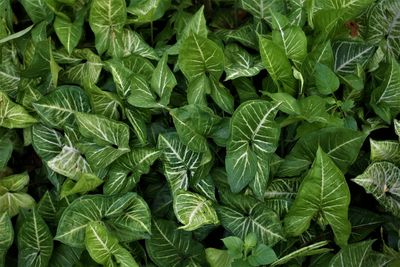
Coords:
pixel 142 133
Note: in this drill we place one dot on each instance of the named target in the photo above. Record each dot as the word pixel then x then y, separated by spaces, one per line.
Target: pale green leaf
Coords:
pixel 218 257
pixel 86 182
pixel 385 151
pixel 324 195
pixel 381 180
pixel 193 210
pixel 13 115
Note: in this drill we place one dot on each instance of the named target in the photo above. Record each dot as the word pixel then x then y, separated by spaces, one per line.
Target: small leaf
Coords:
pixel 163 81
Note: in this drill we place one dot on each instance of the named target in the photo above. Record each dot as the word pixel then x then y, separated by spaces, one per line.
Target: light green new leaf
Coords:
pixel 193 124
pixel 69 33
pixel 69 162
pixel 104 131
pixel 381 179
pixel 385 151
pixel 127 216
pixel 193 210
pixel 254 134
pixel 104 248
pixel 12 196
pixel 57 108
pixel 323 195
pixel 258 219
pixel 341 144
pixel 240 63
pixel 163 81
pixel 13 115
pixel 277 65
pixel 170 246
pixel 35 242
pixel 125 173
pixel 353 255
pixel 199 55
pixel 180 163
pixel 46 141
pixel 107 19
pixel 6 235
pixel 146 11
pixel 387 94
pixel 349 54
pixel 86 182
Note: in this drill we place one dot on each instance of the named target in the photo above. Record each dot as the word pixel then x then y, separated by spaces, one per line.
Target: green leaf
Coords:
pixel 69 33
pixel 141 94
pixel 146 11
pixel 6 149
pixel 46 141
pixel 6 235
pixel 86 182
pixel 35 242
pixel 277 65
pixel 103 102
pixel 107 19
pixel 57 108
pixel 133 43
pixel 259 220
pixel 163 81
pixel 380 180
pixel 193 124
pixel 313 249
pixel 348 54
pixel 170 246
pixel 261 8
pixel 325 79
pixel 353 255
pixel 240 63
pixel 125 173
pixel 262 254
pixel 254 135
pixel 65 256
pixel 341 144
pixel 323 195
pixel 199 55
pixel 37 10
pixel 12 196
pixel 104 248
pixel 16 35
pixel 280 194
pixel 180 163
pixel 221 95
pixel 127 216
pixel 193 210
pixel 386 94
pixel 235 246
pixel 13 115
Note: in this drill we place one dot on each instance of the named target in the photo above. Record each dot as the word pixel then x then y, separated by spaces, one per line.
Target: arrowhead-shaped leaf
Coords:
pixel 324 195
pixel 13 115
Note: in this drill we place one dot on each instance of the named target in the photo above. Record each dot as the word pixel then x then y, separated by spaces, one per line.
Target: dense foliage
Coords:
pixel 199 133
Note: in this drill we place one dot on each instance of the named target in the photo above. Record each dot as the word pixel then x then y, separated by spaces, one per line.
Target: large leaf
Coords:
pixel 277 65
pixel 341 144
pixel 259 220
pixel 120 213
pixel 107 19
pixel 381 179
pixel 6 235
pixel 104 248
pixel 254 135
pixel 13 115
pixel 35 242
pixel 353 255
pixel 170 246
pixel 199 55
pixel 349 54
pixel 46 141
pixel 57 108
pixel 68 32
pixel 193 210
pixel 323 195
